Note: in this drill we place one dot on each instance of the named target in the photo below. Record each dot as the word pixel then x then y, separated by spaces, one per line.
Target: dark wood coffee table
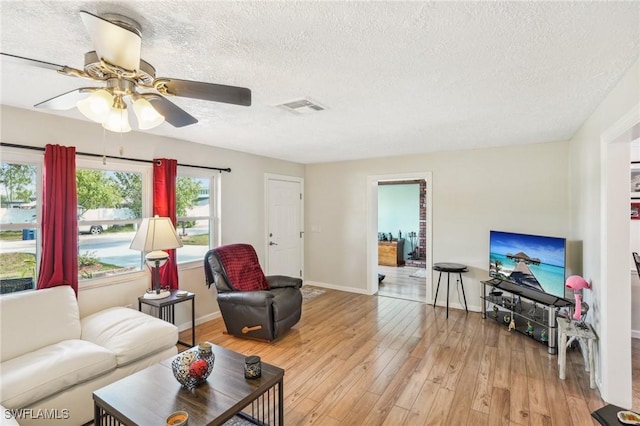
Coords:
pixel 149 396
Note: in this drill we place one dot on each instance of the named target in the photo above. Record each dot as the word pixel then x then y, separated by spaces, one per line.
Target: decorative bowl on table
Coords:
pixel 179 418
pixel 192 367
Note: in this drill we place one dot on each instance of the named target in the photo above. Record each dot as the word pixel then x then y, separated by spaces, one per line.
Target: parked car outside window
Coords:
pixel 90 229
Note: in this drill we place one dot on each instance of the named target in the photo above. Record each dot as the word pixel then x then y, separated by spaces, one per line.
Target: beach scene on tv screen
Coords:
pixel 531 261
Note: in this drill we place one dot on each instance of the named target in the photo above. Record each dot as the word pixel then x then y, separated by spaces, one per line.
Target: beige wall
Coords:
pixel 593 221
pixel 242 215
pixel 519 188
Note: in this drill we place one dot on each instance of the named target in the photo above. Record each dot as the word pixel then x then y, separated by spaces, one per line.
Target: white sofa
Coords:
pixel 51 360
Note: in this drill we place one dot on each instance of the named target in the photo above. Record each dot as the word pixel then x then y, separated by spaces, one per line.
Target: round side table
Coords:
pixel 449 268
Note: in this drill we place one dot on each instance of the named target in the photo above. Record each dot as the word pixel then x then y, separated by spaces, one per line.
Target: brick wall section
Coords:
pixel 422 238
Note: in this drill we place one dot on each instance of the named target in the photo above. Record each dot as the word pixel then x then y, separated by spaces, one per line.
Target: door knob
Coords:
pixel 271 243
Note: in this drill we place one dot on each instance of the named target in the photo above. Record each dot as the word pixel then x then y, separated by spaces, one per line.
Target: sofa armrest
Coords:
pixel 248 298
pixel 279 281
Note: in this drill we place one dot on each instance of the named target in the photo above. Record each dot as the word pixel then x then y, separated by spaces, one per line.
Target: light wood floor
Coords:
pixel 399 282
pixel 357 359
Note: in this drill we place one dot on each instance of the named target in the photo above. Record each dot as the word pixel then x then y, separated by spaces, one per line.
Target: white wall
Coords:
pixel 519 189
pixel 242 191
pixel 610 301
pixel 635 247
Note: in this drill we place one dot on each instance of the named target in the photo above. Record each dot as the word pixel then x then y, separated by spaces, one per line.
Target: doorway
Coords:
pixel 284 225
pixel 419 246
pixel 402 255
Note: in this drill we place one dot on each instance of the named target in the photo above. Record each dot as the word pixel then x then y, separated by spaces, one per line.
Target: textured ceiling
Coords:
pixel 395 77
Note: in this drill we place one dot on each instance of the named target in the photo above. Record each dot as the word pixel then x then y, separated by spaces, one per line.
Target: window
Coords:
pixel 111 203
pixel 112 200
pixel 195 213
pixel 20 180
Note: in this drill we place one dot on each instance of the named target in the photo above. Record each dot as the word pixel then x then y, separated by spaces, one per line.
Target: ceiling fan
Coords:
pixel 128 79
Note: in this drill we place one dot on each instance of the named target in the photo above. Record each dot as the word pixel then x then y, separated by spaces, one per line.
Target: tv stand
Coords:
pixel 533 312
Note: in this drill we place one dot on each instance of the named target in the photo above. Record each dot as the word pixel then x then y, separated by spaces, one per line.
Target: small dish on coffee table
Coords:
pixel 629 417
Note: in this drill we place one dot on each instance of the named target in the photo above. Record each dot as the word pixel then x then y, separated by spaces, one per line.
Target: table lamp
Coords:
pixel 577 284
pixel 153 236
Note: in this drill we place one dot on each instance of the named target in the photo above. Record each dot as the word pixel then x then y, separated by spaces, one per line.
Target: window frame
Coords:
pixel 36 158
pixel 214 177
pixel 33 159
pixel 146 172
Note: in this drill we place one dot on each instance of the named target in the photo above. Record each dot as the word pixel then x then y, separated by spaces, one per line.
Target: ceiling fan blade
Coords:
pixel 66 100
pixel 205 91
pixel 172 113
pixel 33 62
pixel 113 43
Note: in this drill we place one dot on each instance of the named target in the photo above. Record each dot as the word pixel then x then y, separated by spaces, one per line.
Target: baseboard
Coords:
pixel 337 287
pixel 456 305
pixel 635 334
pixel 199 320
pixel 452 305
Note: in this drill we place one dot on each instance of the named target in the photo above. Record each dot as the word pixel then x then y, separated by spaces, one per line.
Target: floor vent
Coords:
pixel 302 106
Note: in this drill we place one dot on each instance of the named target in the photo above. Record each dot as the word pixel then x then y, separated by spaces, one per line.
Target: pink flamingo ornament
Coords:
pixel 577 283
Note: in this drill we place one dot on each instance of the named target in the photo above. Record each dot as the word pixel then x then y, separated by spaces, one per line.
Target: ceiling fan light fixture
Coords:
pixel 117 121
pixel 115 60
pixel 147 116
pixel 96 106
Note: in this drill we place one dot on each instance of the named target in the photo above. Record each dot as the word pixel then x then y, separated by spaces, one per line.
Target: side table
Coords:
pixel 166 310
pixel 569 329
pixel 449 268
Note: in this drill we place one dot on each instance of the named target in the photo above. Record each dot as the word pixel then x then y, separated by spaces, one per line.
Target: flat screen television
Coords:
pixel 534 262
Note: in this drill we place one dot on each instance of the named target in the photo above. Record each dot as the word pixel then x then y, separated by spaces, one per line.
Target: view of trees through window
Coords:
pixel 18 226
pixel 194 217
pixel 110 207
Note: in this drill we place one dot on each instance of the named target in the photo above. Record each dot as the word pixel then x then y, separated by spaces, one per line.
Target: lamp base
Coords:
pixel 151 294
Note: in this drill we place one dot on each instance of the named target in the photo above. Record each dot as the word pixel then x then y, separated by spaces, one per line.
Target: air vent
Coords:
pixel 302 106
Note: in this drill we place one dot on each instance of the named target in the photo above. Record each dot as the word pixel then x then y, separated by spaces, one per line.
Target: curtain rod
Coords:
pixel 89 154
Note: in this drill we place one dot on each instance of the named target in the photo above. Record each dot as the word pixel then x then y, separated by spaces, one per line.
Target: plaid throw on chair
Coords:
pixel 240 262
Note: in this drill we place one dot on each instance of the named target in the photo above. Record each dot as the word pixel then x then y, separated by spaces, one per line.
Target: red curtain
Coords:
pixel 164 205
pixel 59 265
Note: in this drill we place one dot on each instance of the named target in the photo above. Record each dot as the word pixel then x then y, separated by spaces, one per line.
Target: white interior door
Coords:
pixel 284 227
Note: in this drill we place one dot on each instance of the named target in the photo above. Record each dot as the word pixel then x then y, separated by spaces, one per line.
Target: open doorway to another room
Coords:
pixel 402 235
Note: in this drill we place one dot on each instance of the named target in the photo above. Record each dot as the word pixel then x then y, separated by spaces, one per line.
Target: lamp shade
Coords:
pixel 154 234
pixel 576 282
pixel 147 116
pixel 96 106
pixel 117 120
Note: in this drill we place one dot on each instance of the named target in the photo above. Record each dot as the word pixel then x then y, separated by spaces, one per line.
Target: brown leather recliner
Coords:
pixel 252 305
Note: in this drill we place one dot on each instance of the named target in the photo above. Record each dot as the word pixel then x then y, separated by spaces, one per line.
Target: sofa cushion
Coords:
pixel 51 369
pixel 129 334
pixel 34 319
